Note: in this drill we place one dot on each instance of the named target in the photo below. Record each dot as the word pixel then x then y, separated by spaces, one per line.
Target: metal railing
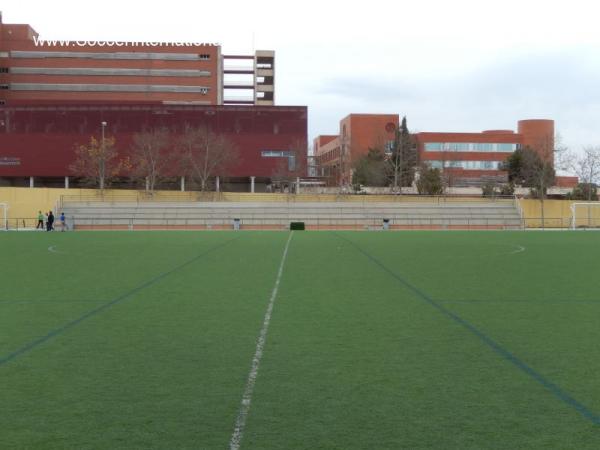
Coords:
pixel 189 196
pixel 320 223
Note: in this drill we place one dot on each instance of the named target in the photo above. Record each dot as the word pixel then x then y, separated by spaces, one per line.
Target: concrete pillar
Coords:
pixel 31 183
pixel 66 182
pixel 182 184
pixel 297 185
pixel 218 184
pixel 252 184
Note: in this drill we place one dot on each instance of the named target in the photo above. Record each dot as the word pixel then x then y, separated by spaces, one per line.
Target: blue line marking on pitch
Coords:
pixel 105 306
pixel 552 387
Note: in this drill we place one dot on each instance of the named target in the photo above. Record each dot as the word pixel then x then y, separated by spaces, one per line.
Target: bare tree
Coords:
pixel 98 162
pixel 563 157
pixel 150 156
pixel 587 168
pixel 538 169
pixel 345 164
pixel 403 159
pixel 206 154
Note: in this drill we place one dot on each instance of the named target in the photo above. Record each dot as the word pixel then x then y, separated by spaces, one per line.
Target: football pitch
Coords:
pixel 301 340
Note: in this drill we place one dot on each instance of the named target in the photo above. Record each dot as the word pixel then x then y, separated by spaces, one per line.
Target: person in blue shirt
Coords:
pixel 63 222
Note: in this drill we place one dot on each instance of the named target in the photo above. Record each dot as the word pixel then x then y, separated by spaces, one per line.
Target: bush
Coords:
pixel 507 189
pixel 430 182
pixel 489 190
pixel 492 189
pixel 584 191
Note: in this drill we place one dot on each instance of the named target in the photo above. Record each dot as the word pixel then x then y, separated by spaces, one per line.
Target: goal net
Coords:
pixel 585 215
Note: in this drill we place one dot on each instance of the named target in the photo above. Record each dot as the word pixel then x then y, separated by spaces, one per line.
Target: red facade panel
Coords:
pixel 41 140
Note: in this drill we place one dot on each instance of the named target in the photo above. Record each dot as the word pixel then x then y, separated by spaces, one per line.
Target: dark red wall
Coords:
pixel 44 137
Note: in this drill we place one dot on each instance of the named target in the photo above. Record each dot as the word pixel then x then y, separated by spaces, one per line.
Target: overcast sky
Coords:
pixel 457 65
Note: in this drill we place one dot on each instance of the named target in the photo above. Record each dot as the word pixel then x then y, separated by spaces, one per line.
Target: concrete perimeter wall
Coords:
pixel 24 203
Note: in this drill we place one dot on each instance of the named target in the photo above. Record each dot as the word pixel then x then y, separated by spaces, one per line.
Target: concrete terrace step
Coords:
pixel 497 214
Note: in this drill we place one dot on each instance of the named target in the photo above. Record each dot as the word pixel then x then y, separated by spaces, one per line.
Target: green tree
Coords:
pixel 430 181
pixel 371 169
pixel 527 168
pixel 584 191
pixel 533 168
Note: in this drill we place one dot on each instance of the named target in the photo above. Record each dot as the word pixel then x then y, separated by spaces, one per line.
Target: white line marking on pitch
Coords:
pixel 518 250
pixel 240 423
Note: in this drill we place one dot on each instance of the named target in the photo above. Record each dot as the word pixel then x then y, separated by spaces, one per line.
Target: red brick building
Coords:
pixel 474 158
pixel 469 159
pixel 56 95
pixel 336 154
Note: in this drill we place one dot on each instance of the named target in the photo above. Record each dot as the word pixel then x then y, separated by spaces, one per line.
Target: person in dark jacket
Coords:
pixel 50 222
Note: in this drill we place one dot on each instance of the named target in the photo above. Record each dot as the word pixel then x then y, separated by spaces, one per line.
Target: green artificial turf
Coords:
pixel 377 340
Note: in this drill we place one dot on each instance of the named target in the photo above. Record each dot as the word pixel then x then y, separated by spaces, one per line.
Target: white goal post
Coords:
pixel 4 208
pixel 591 218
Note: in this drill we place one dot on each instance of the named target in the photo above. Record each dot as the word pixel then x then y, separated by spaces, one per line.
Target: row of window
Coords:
pixel 161 56
pixel 467 165
pixel 82 87
pixel 105 71
pixel 469 147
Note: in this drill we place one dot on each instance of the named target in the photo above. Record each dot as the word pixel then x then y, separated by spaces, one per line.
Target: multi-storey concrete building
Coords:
pixel 55 95
pixel 37 70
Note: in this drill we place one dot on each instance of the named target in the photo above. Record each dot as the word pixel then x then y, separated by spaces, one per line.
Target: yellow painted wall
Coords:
pixel 24 203
pixel 557 214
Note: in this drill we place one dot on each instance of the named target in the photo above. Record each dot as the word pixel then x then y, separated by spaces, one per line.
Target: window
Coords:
pixel 276 154
pixel 389 146
pixel 4 86
pixel 467 165
pixel 457 147
pixel 433 146
pixel 3 69
pixel 506 147
pixel 483 147
pixel 204 56
pixel 470 147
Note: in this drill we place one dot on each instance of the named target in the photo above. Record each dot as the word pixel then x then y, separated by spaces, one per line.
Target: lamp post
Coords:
pixel 102 157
